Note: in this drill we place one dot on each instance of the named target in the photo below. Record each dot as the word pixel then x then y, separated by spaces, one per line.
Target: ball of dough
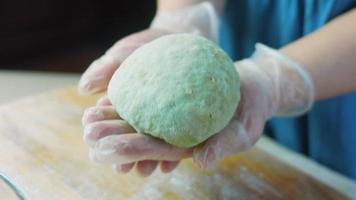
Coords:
pixel 181 88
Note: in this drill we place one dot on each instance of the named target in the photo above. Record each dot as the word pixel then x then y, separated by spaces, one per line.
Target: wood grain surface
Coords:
pixel 42 152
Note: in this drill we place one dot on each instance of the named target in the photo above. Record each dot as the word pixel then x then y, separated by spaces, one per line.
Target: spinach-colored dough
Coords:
pixel 181 88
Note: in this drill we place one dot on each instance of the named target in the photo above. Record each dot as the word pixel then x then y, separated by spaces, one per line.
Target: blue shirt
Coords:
pixel 327 133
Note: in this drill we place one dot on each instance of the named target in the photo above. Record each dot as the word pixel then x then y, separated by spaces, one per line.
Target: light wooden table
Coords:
pixel 17 84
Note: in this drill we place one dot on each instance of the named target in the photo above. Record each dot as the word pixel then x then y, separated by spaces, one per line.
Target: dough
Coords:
pixel 181 88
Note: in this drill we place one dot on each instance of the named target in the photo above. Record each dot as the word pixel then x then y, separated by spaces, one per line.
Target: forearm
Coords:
pixel 172 5
pixel 329 56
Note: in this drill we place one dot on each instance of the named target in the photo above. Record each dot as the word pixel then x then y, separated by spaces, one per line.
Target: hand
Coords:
pixel 198 19
pixel 96 78
pixel 113 141
pixel 271 85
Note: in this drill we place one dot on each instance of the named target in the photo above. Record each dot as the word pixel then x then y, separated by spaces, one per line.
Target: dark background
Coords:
pixel 64 35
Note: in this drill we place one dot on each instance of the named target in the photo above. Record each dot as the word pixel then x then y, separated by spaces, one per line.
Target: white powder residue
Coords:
pixel 188 184
pixel 256 183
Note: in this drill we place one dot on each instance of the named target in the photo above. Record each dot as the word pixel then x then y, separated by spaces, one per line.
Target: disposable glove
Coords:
pixel 197 19
pixel 107 134
pixel 271 85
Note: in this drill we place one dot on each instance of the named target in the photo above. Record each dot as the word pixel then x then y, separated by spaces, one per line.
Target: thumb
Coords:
pixel 232 139
pixel 96 78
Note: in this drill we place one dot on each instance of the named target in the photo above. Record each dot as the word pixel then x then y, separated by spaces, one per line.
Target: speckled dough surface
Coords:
pixel 181 88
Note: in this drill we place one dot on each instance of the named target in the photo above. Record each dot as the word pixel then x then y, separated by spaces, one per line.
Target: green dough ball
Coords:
pixel 181 88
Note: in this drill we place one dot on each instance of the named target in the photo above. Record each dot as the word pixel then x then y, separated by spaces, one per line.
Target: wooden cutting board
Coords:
pixel 42 153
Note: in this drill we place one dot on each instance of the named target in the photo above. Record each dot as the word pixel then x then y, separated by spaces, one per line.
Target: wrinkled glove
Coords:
pixel 197 19
pixel 271 85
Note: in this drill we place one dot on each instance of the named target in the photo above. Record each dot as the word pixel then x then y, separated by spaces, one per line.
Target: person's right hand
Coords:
pixel 97 76
pixel 198 19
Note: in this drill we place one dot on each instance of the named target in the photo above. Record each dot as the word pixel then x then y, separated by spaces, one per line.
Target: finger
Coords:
pixel 168 166
pixel 124 168
pixel 232 139
pixel 146 167
pixel 96 78
pixel 103 101
pixel 127 148
pixel 99 113
pixel 97 130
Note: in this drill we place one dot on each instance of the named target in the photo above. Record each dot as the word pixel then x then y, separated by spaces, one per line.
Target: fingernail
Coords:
pixel 85 118
pixel 105 147
pixel 85 87
pixel 91 115
pixel 112 150
pixel 92 157
pixel 206 159
pixel 103 153
pixel 90 84
pixel 88 136
pixel 117 169
pixel 147 171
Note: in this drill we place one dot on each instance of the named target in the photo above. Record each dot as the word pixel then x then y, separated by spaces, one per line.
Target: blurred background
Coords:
pixel 47 44
pixel 64 35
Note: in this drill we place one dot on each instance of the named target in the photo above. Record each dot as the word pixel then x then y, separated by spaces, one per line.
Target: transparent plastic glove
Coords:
pixel 271 85
pixel 199 19
pixel 113 141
